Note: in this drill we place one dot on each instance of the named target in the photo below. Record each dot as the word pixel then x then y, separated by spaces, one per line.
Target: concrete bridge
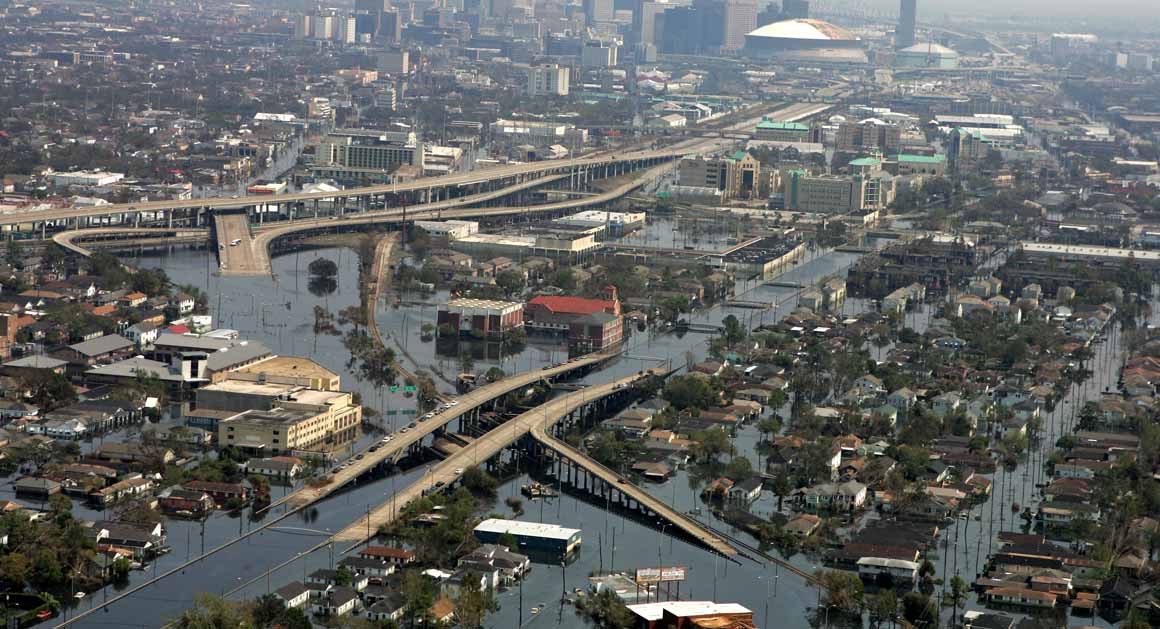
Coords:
pixel 196 212
pixel 538 423
pixel 468 406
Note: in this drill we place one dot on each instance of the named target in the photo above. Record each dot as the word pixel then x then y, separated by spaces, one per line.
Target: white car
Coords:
pixel 458 471
pixel 429 415
pixel 453 403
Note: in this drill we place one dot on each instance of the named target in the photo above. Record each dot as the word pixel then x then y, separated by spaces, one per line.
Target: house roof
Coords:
pixel 36 362
pixel 571 305
pixel 102 345
pixel 292 590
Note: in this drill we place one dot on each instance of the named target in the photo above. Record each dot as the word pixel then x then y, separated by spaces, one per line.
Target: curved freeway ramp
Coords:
pixel 458 181
pixel 70 240
pixel 444 209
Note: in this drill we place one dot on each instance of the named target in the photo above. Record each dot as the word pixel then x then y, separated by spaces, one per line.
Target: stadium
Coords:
pixel 807 40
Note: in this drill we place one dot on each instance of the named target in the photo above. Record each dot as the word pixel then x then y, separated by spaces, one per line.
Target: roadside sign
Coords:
pixel 661 575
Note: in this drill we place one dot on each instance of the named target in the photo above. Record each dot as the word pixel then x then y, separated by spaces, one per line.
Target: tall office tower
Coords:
pixel 370 15
pixel 391 27
pixel 711 14
pixel 644 20
pixel 548 79
pixel 795 9
pixel 599 11
pixel 740 19
pixel 907 16
pixel 681 31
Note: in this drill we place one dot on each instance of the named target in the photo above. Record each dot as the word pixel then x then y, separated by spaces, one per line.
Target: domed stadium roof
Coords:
pixel 804 29
pixel 929 49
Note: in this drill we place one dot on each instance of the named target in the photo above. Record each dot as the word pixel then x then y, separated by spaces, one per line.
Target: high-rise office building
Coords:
pixel 795 9
pixel 740 19
pixel 599 11
pixel 644 20
pixel 548 79
pixel 598 53
pixel 391 26
pixel 681 31
pixel 369 16
pixel 907 17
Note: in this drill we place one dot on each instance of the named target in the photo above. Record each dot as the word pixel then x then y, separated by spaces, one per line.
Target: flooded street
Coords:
pixel 279 312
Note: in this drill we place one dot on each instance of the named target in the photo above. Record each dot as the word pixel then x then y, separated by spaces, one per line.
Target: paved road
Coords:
pixel 240 258
pixel 69 240
pixel 424 183
pixel 536 422
pixel 642 496
pixel 404 440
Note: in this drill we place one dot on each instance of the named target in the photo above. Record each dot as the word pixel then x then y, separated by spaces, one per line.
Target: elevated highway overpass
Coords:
pixel 536 422
pixel 193 212
pixel 468 405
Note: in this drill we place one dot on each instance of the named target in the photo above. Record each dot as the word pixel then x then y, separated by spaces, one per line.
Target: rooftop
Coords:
pixel 295 366
pixel 530 529
pixel 803 29
pixel 483 304
pixel 684 609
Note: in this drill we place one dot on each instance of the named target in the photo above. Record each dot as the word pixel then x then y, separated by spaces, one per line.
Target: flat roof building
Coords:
pixel 533 538
pixel 479 317
pixel 314 421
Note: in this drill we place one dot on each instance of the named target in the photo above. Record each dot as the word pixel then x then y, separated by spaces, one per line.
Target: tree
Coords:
pixel 14 255
pixel 842 591
pixel 781 487
pixel 211 612
pixel 479 482
pixel 473 602
pixel 565 279
pixel 670 307
pixel 14 571
pixel 709 444
pixel 739 469
pixel 732 330
pixel 418 594
pixel 510 281
pixel 266 610
pixel 323 267
pixel 685 392
pixel 919 610
pixel 47 573
pixel 883 607
pixel 494 374
pixel 957 595
pixel 49 390
pixel 769 426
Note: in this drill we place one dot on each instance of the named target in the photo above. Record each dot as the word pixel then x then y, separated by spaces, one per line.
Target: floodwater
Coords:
pixel 279 312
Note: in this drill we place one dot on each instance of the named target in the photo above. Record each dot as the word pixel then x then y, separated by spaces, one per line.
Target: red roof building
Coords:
pixel 552 312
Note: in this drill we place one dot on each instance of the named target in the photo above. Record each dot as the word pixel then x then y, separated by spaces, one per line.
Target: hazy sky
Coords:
pixel 1030 8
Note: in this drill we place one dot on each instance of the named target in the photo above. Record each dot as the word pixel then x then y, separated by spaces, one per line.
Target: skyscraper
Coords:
pixel 598 11
pixel 740 18
pixel 907 16
pixel 644 20
pixel 795 9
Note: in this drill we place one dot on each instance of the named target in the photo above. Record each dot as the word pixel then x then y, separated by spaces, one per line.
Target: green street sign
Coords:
pixel 411 388
pixel 394 388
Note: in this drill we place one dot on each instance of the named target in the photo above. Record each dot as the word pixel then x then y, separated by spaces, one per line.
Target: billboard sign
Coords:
pixel 661 575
